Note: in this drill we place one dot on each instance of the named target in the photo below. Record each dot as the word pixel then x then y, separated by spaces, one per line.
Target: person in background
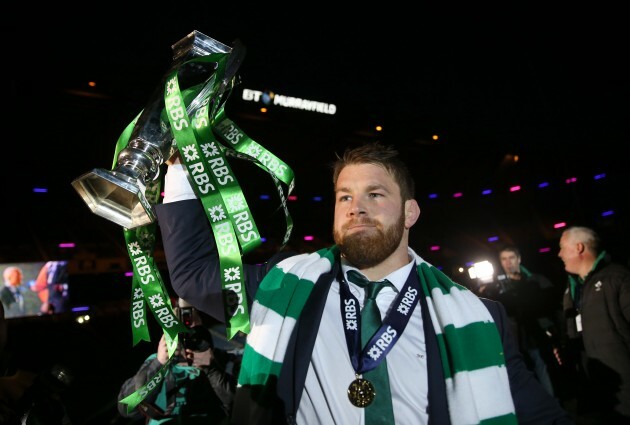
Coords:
pixel 529 300
pixel 28 397
pixel 597 310
pixel 51 286
pixel 196 389
pixel 17 299
pixel 303 361
pixel 13 384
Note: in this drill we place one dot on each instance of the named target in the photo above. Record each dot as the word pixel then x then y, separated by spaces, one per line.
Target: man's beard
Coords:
pixel 369 248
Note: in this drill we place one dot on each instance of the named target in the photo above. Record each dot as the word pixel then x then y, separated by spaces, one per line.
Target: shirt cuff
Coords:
pixel 176 184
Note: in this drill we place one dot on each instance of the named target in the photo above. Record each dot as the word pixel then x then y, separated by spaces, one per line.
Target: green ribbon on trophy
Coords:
pixel 244 148
pixel 248 149
pixel 204 182
pixel 192 121
pixel 217 187
pixel 147 286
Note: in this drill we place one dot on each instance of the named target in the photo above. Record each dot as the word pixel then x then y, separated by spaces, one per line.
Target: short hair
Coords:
pixel 381 155
pixel 510 248
pixel 587 236
pixel 8 270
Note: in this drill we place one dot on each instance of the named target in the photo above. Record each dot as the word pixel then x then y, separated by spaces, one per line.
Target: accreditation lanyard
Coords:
pixel 387 335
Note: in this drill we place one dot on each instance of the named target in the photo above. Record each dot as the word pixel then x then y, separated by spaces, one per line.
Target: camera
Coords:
pixel 186 316
pixel 198 338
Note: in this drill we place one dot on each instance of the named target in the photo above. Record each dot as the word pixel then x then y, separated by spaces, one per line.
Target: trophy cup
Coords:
pixel 119 195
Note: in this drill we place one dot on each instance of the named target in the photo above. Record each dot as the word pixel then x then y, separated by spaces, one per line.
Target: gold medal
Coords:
pixel 361 392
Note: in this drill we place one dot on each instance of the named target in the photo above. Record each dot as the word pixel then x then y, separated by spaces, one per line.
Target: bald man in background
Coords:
pixel 597 310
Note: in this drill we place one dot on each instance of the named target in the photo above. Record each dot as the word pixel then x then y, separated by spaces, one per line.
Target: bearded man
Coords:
pixel 436 355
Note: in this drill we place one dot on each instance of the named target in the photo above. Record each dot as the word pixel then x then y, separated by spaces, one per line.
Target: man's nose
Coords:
pixel 357 207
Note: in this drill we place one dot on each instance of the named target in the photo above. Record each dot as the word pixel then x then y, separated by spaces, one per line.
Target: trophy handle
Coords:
pixel 116 197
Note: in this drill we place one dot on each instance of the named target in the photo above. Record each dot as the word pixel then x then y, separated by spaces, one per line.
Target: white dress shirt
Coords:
pixel 325 397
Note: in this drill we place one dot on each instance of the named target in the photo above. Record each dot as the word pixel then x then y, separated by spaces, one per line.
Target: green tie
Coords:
pixel 380 411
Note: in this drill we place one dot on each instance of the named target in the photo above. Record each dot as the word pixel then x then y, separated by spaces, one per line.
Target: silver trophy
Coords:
pixel 119 195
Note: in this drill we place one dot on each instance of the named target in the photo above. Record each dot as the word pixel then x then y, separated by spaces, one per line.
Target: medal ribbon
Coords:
pixel 386 336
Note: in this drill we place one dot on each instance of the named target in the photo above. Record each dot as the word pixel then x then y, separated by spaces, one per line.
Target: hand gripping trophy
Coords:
pixel 119 195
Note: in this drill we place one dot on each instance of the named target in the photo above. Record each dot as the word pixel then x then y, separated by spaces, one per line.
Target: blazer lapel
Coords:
pixel 438 405
pixel 300 347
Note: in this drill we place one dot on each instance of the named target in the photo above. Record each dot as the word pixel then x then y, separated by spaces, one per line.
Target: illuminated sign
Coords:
pixel 271 98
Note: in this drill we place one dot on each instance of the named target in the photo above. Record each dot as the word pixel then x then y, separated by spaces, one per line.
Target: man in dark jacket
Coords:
pixel 449 356
pixel 531 305
pixel 17 299
pixel 597 309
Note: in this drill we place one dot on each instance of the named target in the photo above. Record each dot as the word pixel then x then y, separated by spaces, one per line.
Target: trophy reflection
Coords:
pixel 119 195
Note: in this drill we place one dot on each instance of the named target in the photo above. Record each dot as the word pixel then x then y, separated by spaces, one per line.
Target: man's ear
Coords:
pixel 412 212
pixel 581 247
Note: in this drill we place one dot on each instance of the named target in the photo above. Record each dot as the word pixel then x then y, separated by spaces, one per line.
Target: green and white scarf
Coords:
pixel 477 385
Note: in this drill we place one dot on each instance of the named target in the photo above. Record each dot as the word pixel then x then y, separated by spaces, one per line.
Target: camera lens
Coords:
pixel 198 339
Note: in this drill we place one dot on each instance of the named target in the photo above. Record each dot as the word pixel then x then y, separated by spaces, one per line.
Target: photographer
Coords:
pixel 196 388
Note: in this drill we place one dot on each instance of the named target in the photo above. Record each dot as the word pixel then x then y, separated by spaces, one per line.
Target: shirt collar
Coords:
pixel 398 278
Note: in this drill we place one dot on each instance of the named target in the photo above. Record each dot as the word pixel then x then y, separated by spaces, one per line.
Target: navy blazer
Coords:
pixel 192 260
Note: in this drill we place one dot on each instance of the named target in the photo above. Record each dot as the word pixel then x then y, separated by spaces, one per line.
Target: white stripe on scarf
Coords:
pixel 308 267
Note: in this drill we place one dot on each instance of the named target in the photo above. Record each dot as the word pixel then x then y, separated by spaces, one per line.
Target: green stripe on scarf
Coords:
pixel 499 420
pixel 471 344
pixel 471 349
pixel 478 390
pixel 257 368
pixel 290 300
